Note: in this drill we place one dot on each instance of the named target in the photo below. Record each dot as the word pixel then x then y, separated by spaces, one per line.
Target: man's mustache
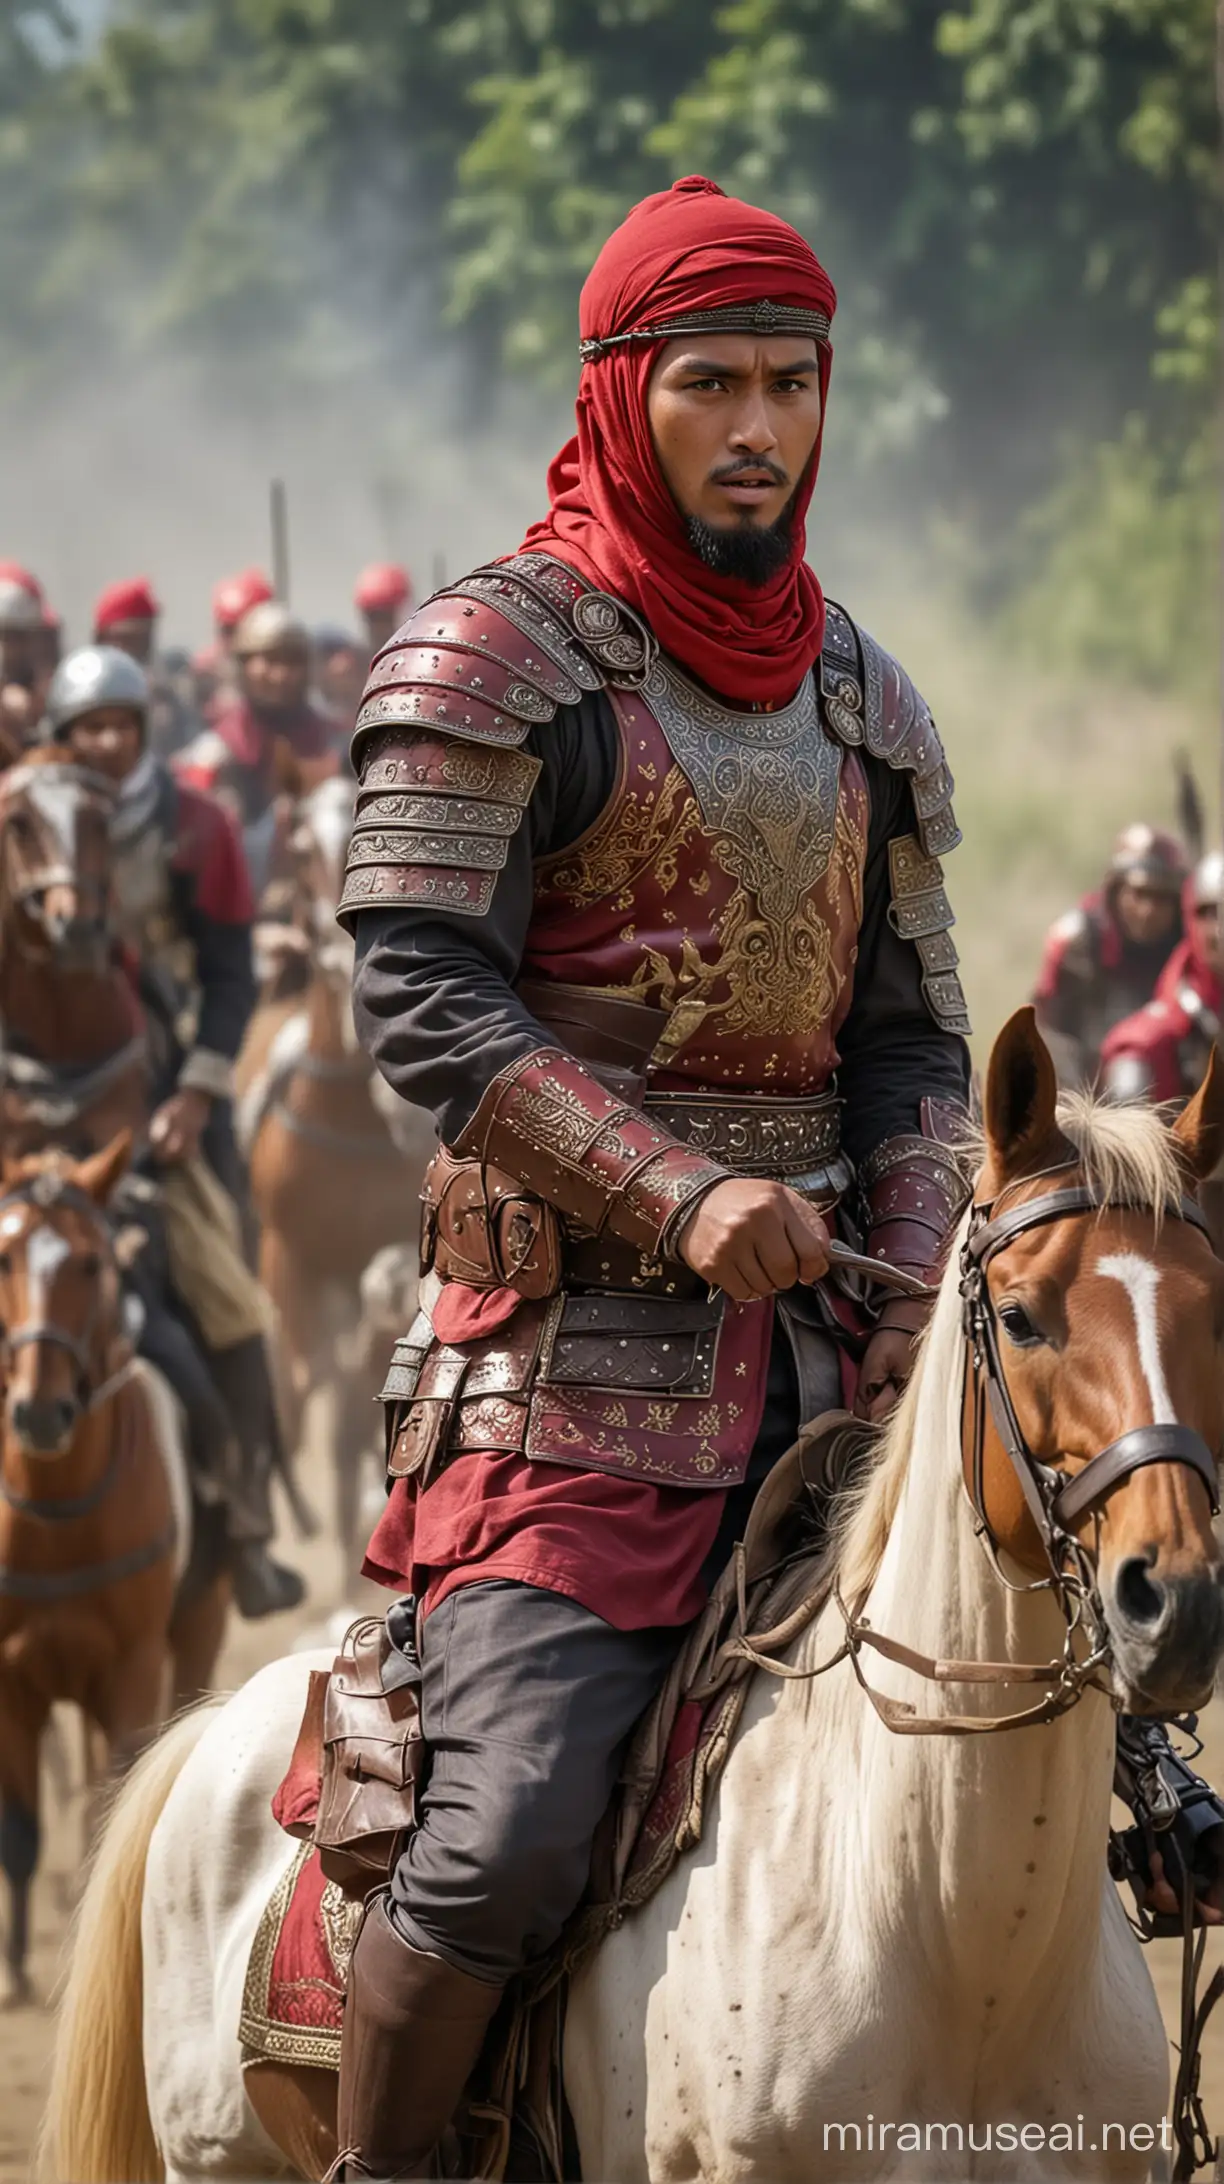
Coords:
pixel 729 471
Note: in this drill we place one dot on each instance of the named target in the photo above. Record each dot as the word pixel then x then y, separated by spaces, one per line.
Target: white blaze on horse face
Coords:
pixel 1141 1280
pixel 46 1251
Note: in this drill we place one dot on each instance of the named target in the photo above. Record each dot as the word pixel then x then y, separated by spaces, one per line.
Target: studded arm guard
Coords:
pixel 912 1191
pixel 605 1166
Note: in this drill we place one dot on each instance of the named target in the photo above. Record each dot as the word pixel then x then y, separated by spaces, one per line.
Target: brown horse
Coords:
pixel 331 1184
pixel 89 1532
pixel 73 1068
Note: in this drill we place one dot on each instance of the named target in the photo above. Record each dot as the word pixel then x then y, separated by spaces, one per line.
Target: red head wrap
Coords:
pixel 234 596
pixel 383 585
pixel 131 601
pixel 612 517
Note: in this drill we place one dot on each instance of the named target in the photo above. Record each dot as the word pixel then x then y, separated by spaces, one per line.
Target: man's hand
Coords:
pixel 887 1363
pixel 1209 1904
pixel 751 1238
pixel 177 1127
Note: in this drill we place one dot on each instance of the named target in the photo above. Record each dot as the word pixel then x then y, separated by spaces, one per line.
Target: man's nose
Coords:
pixel 753 425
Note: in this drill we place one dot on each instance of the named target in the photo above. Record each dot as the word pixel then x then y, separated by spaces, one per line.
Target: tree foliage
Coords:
pixel 1018 198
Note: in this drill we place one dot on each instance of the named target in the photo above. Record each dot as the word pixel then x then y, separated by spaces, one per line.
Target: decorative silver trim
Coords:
pixel 761 317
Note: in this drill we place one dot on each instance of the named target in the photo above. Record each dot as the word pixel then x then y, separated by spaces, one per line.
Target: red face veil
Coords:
pixel 612 517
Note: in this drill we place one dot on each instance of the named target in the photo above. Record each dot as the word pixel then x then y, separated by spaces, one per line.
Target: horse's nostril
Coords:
pixel 1140 1596
pixel 43 1422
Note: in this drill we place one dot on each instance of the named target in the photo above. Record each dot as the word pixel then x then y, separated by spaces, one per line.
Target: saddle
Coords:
pixel 348 1793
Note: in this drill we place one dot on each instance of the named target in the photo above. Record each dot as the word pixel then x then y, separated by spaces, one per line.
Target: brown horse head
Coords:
pixel 1107 1319
pixel 61 1332
pixel 55 862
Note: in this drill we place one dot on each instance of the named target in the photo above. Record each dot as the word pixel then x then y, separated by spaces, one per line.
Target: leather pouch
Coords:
pixel 636 1343
pixel 479 1226
pixel 372 1752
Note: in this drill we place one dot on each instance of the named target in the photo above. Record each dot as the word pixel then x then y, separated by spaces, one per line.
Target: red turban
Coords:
pixel 234 596
pixel 612 517
pixel 131 601
pixel 383 585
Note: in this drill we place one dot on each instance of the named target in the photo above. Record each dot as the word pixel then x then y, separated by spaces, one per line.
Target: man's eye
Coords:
pixel 697 386
pixel 1018 1327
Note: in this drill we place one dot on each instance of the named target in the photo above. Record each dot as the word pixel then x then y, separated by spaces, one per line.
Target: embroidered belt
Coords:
pixel 792 1141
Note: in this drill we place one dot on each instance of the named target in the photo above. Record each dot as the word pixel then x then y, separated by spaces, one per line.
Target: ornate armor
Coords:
pixel 693 956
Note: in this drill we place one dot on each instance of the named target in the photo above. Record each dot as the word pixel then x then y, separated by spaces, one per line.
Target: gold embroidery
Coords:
pixel 780 978
pixel 643 832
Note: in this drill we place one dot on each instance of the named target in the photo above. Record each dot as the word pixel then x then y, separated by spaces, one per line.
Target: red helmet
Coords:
pixel 1145 856
pixel 234 596
pixel 11 572
pixel 132 600
pixel 383 587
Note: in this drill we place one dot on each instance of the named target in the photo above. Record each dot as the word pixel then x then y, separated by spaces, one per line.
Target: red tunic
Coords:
pixel 626 1548
pixel 1153 1037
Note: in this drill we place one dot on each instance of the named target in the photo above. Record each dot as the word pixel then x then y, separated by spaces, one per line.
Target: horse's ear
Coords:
pixel 1199 1129
pixel 1021 1096
pixel 98 1175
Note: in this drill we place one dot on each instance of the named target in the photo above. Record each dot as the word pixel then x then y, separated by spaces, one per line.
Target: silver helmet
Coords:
pixel 19 608
pixel 269 627
pixel 94 676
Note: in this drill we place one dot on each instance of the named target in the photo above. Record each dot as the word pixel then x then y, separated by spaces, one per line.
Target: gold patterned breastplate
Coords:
pixel 723 883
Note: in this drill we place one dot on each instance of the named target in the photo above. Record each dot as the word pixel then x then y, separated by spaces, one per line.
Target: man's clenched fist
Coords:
pixel 751 1238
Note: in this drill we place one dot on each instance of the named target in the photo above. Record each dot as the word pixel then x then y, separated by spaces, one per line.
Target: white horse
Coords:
pixel 891 1955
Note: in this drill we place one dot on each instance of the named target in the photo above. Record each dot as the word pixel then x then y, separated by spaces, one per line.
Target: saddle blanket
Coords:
pixel 294 1993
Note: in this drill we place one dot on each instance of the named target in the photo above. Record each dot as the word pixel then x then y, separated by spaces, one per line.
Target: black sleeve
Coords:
pixel 432 996
pixel 893 1053
pixel 227 984
pixel 224 970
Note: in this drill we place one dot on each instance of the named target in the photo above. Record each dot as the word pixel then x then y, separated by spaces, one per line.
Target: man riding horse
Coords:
pixel 267 736
pixel 646 888
pixel 182 907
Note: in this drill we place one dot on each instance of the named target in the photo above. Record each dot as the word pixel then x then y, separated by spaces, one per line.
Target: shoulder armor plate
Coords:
pixel 869 700
pixel 444 784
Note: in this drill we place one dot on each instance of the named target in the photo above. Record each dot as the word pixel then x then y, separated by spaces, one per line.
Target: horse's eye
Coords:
pixel 91 1264
pixel 1018 1327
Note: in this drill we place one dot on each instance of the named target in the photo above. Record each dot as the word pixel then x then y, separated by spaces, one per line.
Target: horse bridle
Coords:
pixel 46 1192
pixel 1054 1500
pixel 35 883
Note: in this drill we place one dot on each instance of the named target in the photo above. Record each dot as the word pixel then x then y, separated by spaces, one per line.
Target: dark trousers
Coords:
pixel 526 1702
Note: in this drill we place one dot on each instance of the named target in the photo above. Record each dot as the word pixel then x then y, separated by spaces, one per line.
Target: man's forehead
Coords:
pixel 741 354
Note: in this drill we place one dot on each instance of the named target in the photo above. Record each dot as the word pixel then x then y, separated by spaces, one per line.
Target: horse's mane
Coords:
pixel 1124 1153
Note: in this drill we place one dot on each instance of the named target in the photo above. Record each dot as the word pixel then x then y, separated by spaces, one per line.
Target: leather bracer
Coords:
pixel 605 1166
pixel 913 1189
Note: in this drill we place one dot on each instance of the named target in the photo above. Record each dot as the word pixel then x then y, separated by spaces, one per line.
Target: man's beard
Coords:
pixel 754 553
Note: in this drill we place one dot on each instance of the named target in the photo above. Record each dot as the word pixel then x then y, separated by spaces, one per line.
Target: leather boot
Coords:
pixel 413 2028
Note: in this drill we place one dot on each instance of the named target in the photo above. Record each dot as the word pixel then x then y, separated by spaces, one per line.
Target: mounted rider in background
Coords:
pixel 183 910
pixel 126 615
pixel 268 739
pixel 1161 1051
pixel 1102 960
